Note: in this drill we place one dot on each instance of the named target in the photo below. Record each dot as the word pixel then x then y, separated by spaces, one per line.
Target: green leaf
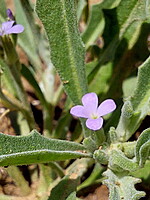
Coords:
pixel 62 126
pixel 28 40
pixel 2 11
pixel 8 79
pixel 140 99
pixel 127 56
pixel 76 170
pixel 79 167
pixel 136 11
pixel 143 173
pixel 80 7
pixel 96 21
pixel 47 108
pixel 95 25
pixel 128 149
pixel 19 180
pixel 137 106
pixel 99 84
pixel 143 147
pixel 67 51
pixel 19 123
pixel 64 189
pixel 101 156
pixel 90 144
pixel 72 196
pixel 28 75
pixel 124 25
pixel 34 148
pixel 122 187
pixel 12 83
pixel 119 162
pixel 96 174
pixel 129 86
pixel 13 69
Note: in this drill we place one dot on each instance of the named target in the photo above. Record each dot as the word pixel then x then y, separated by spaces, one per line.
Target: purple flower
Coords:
pixel 8 28
pixel 92 111
pixel 9 14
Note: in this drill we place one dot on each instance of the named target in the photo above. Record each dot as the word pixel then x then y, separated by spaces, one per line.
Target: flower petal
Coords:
pixel 90 102
pixel 7 25
pixel 79 111
pixel 94 124
pixel 15 29
pixel 106 107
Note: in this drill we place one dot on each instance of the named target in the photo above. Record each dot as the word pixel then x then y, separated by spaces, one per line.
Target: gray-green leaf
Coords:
pixel 67 51
pixel 137 106
pixel 119 162
pixel 122 187
pixel 34 148
pixel 28 39
pixel 64 189
pixel 96 21
pixel 143 147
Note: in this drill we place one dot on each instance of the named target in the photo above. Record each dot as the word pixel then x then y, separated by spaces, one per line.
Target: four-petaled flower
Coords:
pixel 92 111
pixel 9 28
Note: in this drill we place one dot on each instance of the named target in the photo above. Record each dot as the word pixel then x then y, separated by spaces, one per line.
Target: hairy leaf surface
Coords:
pixel 122 187
pixel 67 51
pixel 143 147
pixel 137 106
pixel 34 148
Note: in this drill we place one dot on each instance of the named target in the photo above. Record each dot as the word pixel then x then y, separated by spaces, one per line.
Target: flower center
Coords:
pixel 94 116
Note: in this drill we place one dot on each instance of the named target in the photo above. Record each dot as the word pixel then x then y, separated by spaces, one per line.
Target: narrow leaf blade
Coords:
pixel 34 148
pixel 67 51
pixel 27 39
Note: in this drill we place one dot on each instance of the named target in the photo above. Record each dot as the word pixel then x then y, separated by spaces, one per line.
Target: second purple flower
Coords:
pixel 9 28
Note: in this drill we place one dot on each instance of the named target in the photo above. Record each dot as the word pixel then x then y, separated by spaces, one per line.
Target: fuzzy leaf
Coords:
pixel 137 106
pixel 64 189
pixel 2 11
pixel 8 79
pixel 99 84
pixel 128 86
pixel 73 175
pixel 34 148
pixel 67 51
pixel 122 187
pixel 143 147
pixel 95 25
pixel 27 40
pixel 143 173
pixel 96 21
pixel 95 174
pixel 80 7
pixel 28 75
pixel 119 162
pixel 123 26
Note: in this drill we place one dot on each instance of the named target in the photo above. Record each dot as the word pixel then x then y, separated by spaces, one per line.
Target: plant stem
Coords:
pixel 57 168
pixel 14 67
